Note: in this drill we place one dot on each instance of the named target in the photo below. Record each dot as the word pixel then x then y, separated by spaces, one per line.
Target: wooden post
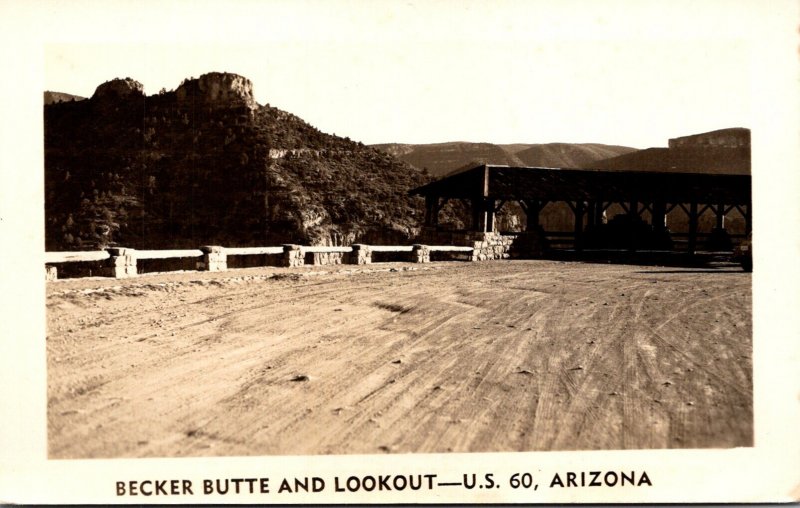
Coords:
pixel 477 222
pixel 633 209
pixel 720 212
pixel 748 218
pixel 579 208
pixel 488 205
pixel 693 227
pixel 431 210
pixel 483 215
pixel 659 217
pixel 532 208
pixel 600 210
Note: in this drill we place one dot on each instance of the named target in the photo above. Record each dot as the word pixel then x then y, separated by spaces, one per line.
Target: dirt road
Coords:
pixel 398 358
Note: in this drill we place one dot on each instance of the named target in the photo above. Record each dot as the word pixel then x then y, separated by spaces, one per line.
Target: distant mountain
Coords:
pixel 569 155
pixel 206 165
pixel 54 97
pixel 724 151
pixel 443 158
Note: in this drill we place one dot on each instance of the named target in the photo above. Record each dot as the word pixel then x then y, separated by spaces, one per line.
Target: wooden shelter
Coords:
pixel 589 193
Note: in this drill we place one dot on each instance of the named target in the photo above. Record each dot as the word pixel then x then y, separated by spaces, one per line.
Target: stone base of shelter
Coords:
pixel 487 246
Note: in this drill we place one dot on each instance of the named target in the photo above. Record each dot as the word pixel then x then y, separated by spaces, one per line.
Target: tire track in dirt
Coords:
pixel 474 357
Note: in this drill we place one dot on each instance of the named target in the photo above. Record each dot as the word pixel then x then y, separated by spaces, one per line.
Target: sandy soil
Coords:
pixel 398 358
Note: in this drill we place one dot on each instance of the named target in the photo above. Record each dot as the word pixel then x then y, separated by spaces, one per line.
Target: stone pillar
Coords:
pixel 214 259
pixel 292 255
pixel 361 255
pixel 121 264
pixel 420 254
pixel 50 273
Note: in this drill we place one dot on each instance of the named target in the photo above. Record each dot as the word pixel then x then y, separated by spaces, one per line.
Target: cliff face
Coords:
pixel 205 164
pixel 217 88
pixel 735 137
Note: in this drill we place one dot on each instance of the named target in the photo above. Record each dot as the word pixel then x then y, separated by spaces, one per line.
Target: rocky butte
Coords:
pixel 206 164
pixel 218 89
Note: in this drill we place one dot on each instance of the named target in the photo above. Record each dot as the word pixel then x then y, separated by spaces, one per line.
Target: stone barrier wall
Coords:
pixel 121 262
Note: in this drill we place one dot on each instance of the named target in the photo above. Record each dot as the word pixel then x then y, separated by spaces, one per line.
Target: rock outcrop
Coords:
pixel 220 89
pixel 119 89
pixel 206 165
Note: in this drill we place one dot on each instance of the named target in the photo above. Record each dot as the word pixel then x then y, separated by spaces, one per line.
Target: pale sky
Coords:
pixel 630 73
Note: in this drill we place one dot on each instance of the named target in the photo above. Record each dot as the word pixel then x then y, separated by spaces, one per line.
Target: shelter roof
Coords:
pixel 567 184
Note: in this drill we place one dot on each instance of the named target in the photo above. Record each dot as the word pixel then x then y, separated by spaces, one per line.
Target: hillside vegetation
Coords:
pixel 205 164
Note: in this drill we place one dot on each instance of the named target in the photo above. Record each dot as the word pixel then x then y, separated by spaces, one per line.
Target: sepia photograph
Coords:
pixel 264 287
pixel 406 248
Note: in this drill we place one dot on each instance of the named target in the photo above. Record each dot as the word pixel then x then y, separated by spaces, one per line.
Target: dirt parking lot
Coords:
pixel 400 358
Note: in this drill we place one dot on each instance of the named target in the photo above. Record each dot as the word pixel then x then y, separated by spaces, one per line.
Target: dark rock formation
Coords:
pixel 119 89
pixel 217 88
pixel 205 165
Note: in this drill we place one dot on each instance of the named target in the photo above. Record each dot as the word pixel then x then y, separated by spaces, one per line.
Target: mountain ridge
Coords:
pixel 444 158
